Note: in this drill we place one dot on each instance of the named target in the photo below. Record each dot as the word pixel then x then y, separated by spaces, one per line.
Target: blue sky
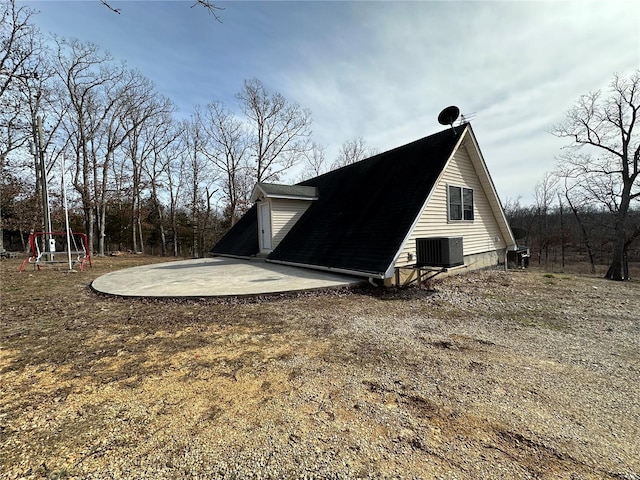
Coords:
pixel 381 70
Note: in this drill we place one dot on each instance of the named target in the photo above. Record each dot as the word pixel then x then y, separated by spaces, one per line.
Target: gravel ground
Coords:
pixel 514 375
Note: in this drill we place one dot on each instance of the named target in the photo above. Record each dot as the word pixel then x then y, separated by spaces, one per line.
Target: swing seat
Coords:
pixel 40 258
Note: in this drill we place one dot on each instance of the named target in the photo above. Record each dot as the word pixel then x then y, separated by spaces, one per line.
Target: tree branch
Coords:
pixel 115 10
pixel 211 7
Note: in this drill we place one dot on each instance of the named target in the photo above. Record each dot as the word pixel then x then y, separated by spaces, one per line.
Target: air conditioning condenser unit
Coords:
pixel 439 252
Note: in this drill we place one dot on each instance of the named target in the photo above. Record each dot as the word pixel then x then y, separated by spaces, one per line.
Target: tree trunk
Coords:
pixel 134 236
pixel 91 220
pixel 175 242
pixel 139 222
pixel 194 247
pixel 163 241
pixel 1 231
pixel 173 226
pixel 585 235
pixel 615 271
pixel 102 228
pixel 562 234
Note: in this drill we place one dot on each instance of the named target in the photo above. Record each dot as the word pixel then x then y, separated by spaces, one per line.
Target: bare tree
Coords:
pixel 14 92
pixel 173 161
pixel 278 131
pixel 37 106
pixel 605 128
pixel 563 236
pixel 315 162
pixel 576 200
pixel 544 195
pixel 201 180
pixel 226 147
pixel 20 48
pixel 352 151
pixel 165 135
pixel 125 108
pixel 19 41
pixel 93 85
pixel 143 112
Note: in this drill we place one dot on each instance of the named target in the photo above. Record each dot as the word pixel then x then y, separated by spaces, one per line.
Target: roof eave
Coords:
pixel 497 206
pixel 258 191
pixel 344 271
pixel 291 197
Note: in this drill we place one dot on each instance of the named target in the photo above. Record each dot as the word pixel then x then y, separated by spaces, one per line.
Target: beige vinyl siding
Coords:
pixel 479 235
pixel 284 214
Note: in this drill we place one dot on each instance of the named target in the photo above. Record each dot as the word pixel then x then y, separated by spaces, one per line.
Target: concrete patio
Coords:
pixel 216 277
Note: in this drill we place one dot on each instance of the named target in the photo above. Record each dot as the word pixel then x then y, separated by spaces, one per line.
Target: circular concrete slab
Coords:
pixel 215 277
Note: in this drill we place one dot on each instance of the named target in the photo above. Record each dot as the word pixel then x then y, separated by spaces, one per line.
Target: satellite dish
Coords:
pixel 449 115
pixel 519 232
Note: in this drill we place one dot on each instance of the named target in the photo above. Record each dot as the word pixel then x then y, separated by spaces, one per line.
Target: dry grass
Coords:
pixel 517 375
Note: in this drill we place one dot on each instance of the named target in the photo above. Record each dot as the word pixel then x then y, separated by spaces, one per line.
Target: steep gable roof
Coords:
pixel 363 211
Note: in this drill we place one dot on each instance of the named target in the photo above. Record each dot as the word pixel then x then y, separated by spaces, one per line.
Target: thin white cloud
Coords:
pixel 518 66
pixel 383 70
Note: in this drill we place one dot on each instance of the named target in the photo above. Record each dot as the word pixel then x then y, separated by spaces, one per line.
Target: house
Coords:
pixel 374 218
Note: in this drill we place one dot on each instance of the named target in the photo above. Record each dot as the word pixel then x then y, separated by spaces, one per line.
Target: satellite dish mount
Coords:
pixel 448 116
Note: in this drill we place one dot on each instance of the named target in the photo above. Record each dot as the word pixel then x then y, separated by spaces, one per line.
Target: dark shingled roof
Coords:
pixel 242 239
pixel 363 212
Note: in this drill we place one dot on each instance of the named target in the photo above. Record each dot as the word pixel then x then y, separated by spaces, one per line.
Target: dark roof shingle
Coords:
pixel 242 239
pixel 363 211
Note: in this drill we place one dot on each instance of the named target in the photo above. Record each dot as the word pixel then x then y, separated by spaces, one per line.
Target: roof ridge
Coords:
pixel 390 151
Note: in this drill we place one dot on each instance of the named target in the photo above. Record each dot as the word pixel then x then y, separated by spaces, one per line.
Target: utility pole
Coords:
pixel 41 172
pixel 41 175
pixel 46 214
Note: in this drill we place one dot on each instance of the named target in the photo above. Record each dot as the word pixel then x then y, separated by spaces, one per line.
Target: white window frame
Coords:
pixel 464 218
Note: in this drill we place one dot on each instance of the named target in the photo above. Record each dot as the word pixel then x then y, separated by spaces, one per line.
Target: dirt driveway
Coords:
pixel 495 375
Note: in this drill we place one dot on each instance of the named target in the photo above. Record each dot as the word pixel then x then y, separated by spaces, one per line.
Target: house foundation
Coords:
pixel 411 274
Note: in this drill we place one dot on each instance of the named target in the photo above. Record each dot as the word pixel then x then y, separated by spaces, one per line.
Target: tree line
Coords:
pixel 561 234
pixel 143 178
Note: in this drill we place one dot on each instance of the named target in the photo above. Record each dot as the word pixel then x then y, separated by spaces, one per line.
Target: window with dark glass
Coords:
pixel 460 203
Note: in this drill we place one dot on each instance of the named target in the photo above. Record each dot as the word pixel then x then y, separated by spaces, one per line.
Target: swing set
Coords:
pixel 76 252
pixel 76 246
